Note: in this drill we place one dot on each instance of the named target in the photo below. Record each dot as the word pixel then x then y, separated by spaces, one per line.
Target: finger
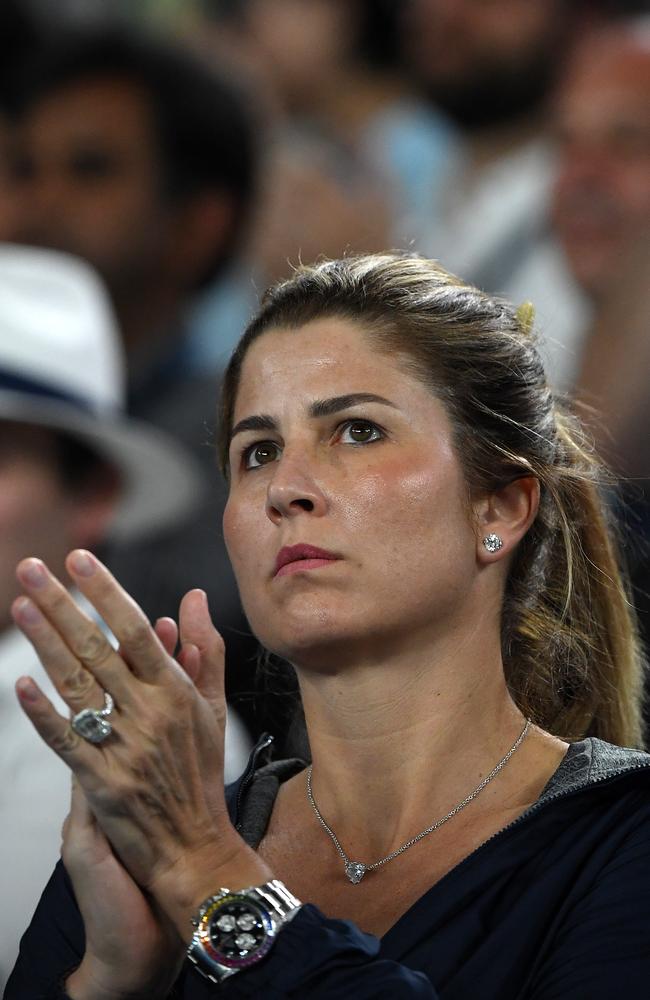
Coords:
pixel 167 631
pixel 75 684
pixel 190 660
pixel 84 843
pixel 53 728
pixel 143 649
pixel 196 629
pixel 84 638
pixel 80 813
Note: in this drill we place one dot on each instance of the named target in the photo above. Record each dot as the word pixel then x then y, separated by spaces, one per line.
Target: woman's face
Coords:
pixel 336 447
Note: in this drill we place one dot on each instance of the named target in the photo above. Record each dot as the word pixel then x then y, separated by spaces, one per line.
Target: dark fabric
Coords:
pixel 554 907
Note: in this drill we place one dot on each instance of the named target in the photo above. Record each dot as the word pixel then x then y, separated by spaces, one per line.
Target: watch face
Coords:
pixel 235 931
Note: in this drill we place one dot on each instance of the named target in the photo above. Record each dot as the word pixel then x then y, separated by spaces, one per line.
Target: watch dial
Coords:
pixel 240 931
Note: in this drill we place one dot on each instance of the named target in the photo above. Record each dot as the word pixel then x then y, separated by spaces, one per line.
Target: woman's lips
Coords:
pixel 296 558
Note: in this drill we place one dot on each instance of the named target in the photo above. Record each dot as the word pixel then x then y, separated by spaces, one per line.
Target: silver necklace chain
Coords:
pixel 355 870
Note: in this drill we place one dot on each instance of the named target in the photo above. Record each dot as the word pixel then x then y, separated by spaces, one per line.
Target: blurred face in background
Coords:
pixel 301 43
pixel 483 61
pixel 38 513
pixel 602 194
pixel 87 180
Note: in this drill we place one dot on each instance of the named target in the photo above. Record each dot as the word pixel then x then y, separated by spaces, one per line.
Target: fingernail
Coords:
pixel 26 689
pixel 33 573
pixel 27 612
pixel 83 563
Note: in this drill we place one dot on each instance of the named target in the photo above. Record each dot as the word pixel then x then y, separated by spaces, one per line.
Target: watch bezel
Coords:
pixel 209 913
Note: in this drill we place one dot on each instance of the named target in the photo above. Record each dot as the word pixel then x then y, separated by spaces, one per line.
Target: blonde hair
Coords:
pixel 570 648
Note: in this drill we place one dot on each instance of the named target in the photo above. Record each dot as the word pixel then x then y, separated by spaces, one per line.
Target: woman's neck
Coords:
pixel 399 744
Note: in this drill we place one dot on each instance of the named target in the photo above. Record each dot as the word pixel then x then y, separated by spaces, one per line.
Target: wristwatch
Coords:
pixel 235 929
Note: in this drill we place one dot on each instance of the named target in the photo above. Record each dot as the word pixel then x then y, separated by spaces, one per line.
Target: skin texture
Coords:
pixel 354 491
pixel 396 645
pixel 601 208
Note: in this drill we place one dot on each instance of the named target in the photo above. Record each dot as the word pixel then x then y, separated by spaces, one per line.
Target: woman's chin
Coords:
pixel 310 643
pixel 302 647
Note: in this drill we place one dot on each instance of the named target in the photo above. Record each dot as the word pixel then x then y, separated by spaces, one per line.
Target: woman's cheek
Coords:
pixel 240 535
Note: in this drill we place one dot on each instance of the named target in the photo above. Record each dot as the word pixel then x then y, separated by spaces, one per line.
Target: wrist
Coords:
pixel 93 980
pixel 181 889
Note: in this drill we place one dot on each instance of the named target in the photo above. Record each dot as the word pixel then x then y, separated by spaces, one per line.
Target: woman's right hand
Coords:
pixel 131 951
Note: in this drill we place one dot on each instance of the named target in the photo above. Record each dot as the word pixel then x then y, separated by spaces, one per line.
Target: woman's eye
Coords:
pixel 360 432
pixel 260 454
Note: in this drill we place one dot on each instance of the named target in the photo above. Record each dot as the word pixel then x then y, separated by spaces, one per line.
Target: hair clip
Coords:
pixel 525 314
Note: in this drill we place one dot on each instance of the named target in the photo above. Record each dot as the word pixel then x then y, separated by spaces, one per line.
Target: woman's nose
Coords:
pixel 293 490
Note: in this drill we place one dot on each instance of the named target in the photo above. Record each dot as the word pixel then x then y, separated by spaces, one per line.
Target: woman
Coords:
pixel 415 524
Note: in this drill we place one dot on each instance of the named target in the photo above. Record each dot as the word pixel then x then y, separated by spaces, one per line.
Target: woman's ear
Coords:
pixel 504 517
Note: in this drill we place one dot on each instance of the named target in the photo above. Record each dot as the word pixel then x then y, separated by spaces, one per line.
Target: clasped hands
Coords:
pixel 149 820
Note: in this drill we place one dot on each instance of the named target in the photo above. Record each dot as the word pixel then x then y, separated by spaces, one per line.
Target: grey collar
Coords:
pixel 587 762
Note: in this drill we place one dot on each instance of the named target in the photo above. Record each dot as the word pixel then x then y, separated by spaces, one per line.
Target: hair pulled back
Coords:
pixel 569 642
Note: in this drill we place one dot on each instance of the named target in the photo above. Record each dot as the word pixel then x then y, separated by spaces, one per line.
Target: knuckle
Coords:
pixel 184 692
pixel 93 649
pixel 58 601
pixel 151 803
pixel 115 797
pixel 136 634
pixel 77 686
pixel 65 741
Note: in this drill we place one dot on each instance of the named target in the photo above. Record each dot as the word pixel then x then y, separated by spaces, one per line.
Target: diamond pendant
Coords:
pixel 355 870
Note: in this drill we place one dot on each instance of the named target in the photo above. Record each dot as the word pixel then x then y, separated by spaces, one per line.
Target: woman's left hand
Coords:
pixel 155 785
pixel 137 955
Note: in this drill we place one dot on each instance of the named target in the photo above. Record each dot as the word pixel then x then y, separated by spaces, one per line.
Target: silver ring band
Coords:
pixel 92 723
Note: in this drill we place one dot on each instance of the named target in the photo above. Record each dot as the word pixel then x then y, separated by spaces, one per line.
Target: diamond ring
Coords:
pixel 92 723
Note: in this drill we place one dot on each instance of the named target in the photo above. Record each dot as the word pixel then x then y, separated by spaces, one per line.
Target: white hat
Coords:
pixel 62 366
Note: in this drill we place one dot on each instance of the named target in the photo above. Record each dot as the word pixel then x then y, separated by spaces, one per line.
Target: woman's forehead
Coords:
pixel 322 355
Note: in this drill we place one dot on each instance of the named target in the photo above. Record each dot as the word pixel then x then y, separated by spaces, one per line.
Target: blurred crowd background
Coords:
pixel 192 150
pixel 186 153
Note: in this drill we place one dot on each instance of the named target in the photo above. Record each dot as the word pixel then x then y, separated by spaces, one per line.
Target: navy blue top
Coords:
pixel 554 907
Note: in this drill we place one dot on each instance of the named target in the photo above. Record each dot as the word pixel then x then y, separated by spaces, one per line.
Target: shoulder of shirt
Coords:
pixel 591 761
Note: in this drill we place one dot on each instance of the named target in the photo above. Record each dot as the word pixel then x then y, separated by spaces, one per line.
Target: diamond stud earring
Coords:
pixel 493 543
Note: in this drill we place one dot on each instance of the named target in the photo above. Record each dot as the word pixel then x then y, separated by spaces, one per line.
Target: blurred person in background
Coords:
pixel 19 36
pixel 73 471
pixel 491 67
pixel 601 213
pixel 132 153
pixel 355 152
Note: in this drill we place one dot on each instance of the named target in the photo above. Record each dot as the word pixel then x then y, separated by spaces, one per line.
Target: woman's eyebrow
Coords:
pixel 326 407
pixel 319 408
pixel 261 422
